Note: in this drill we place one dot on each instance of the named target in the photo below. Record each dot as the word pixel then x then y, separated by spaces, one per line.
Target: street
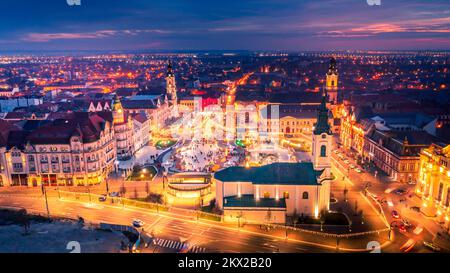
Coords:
pixel 211 237
pixel 384 192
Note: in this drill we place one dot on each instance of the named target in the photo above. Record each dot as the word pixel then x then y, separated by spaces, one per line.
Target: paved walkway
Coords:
pixel 143 156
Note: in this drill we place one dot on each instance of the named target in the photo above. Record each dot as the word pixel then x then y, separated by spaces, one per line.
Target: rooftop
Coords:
pixel 273 174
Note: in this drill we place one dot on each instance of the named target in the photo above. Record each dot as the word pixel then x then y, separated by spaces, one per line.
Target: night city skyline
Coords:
pixel 233 25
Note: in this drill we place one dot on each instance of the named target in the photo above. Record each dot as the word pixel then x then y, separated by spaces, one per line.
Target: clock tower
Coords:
pixel 118 114
pixel 171 87
pixel 332 82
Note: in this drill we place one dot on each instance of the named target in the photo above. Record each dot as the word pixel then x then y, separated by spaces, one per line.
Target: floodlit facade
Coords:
pixel 78 150
pixel 332 82
pixel 434 183
pixel 123 129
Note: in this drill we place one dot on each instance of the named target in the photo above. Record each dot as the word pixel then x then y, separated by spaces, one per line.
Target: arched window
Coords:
pixel 305 195
pixel 441 188
pixel 323 151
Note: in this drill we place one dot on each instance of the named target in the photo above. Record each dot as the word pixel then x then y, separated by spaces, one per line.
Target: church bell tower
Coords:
pixel 118 114
pixel 171 87
pixel 332 82
pixel 321 140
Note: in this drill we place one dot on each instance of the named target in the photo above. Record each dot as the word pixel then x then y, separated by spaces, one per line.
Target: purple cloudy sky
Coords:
pixel 224 25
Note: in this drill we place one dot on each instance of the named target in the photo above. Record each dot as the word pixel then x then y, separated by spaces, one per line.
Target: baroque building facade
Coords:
pixel 77 150
pixel 434 183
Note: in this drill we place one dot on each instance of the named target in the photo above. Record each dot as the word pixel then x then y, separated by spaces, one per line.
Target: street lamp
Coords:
pixel 46 199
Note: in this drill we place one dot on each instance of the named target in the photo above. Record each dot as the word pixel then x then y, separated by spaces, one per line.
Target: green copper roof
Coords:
pixel 248 200
pixel 273 174
pixel 322 125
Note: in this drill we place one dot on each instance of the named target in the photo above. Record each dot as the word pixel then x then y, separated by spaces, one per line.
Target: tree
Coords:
pixel 212 203
pixel 239 216
pixel 24 221
pixel 147 188
pixel 123 190
pixel 322 220
pixel 269 217
pixel 295 218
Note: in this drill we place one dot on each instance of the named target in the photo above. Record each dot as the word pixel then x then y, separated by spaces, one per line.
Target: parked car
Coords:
pixel 400 191
pixel 402 227
pixel 432 246
pixel 102 198
pixel 346 161
pixel 395 214
pixel 418 230
pixel 406 223
pixel 358 170
pixel 415 209
pixel 138 223
pixel 408 246
pixel 352 166
pixel 114 194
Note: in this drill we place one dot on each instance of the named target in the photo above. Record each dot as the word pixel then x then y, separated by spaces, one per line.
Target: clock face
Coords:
pixel 324 135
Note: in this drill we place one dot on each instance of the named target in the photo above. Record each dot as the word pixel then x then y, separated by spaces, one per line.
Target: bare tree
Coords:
pixel 24 221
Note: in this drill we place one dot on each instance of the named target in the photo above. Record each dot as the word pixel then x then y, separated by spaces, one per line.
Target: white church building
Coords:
pixel 269 193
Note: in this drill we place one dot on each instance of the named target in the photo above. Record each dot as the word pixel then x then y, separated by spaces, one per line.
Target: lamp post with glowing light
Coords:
pixel 44 190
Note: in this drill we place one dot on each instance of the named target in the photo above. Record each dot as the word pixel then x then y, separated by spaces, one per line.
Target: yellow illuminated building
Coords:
pixel 351 133
pixel 332 82
pixel 434 183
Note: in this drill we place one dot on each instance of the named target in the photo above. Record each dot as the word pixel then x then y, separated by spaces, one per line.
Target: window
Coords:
pixel 441 188
pixel 305 195
pixel 323 151
pixel 447 202
pixel 286 195
pixel 266 194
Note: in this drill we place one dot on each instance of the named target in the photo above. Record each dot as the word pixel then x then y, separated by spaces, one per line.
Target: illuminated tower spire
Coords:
pixel 118 114
pixel 332 81
pixel 321 139
pixel 322 125
pixel 171 87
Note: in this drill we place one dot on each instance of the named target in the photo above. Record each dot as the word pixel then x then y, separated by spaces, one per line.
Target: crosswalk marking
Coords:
pixel 197 249
pixel 169 243
pixel 177 245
